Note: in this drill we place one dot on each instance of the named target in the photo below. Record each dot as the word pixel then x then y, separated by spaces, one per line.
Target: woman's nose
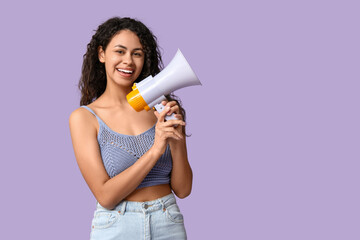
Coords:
pixel 127 58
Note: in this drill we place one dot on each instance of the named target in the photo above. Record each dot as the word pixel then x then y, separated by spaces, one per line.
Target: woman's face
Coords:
pixel 123 58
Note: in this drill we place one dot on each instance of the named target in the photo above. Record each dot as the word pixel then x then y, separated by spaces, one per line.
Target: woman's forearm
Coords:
pixel 119 187
pixel 181 175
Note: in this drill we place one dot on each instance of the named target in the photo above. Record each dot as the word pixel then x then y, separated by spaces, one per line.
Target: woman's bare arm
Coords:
pixel 181 174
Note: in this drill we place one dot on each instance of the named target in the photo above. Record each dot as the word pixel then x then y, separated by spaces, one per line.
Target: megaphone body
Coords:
pixel 151 91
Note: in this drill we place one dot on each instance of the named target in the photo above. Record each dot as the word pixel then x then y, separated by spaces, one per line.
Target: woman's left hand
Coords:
pixel 174 108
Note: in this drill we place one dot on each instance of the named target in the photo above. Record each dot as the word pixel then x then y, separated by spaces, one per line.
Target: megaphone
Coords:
pixel 151 91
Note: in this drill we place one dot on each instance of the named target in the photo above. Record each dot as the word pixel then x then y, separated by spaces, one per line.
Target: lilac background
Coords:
pixel 275 126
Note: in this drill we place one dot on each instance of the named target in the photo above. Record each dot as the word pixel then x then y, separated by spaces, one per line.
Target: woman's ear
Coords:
pixel 101 54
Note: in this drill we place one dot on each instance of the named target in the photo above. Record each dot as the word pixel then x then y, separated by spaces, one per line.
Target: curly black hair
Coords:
pixel 93 75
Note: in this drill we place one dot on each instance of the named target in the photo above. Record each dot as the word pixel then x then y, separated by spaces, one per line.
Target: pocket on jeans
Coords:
pixel 173 214
pixel 104 219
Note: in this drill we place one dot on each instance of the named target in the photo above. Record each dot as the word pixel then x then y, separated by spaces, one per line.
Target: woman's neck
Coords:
pixel 115 94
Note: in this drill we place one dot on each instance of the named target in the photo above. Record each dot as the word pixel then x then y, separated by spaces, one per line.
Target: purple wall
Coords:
pixel 275 126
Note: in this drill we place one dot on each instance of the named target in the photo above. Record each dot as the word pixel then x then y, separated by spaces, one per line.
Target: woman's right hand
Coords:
pixel 165 130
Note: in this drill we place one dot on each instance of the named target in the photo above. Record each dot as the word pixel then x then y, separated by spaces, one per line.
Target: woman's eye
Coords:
pixel 120 51
pixel 138 54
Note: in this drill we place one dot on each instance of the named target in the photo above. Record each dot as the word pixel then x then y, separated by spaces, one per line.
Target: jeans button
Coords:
pixel 146 206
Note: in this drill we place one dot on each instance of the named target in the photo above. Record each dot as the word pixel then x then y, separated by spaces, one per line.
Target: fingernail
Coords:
pixel 167 108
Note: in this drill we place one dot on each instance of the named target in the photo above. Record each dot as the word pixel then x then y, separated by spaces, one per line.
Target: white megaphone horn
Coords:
pixel 151 91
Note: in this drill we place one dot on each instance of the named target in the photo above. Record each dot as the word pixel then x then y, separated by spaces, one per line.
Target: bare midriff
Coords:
pixel 149 193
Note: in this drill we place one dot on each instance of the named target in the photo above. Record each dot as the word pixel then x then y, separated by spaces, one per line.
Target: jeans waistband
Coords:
pixel 149 206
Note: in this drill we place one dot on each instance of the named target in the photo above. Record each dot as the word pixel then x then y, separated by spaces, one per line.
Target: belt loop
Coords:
pixel 162 205
pixel 122 208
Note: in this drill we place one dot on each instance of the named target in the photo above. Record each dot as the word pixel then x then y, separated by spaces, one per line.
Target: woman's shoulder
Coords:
pixel 82 116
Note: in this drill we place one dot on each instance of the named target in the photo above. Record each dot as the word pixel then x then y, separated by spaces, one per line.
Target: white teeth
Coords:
pixel 124 71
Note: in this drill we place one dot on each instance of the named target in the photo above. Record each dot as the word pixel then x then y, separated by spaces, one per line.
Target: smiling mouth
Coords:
pixel 125 71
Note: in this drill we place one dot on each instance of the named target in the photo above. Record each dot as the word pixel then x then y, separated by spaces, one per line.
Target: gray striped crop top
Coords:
pixel 119 151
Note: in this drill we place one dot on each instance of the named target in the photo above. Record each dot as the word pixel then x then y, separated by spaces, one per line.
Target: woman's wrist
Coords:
pixel 177 143
pixel 155 152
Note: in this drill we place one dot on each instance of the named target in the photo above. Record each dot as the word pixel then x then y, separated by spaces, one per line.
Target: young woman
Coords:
pixel 132 161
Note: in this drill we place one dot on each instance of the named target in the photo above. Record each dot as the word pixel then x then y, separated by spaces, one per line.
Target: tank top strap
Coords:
pixel 97 117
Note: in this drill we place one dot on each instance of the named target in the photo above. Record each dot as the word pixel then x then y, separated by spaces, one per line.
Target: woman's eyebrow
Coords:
pixel 121 46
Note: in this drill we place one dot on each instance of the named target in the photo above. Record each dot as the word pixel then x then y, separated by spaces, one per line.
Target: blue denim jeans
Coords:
pixel 159 219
